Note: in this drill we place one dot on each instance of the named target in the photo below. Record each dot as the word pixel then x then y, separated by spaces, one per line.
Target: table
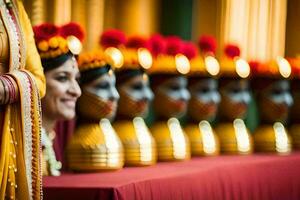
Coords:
pixel 223 177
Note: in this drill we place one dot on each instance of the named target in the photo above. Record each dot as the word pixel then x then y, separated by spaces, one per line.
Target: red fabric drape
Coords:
pixel 256 177
pixel 64 130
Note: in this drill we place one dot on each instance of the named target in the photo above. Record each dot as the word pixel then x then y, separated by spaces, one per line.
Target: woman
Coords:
pixel 95 146
pixel 57 47
pixel 169 84
pixel 22 84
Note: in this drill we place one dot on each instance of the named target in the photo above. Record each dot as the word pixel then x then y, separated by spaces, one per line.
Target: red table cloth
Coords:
pixel 252 177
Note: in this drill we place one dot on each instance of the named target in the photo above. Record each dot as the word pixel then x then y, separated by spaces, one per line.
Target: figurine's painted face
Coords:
pixel 274 101
pixel 62 91
pixel 99 97
pixel 171 97
pixel 135 96
pixel 295 110
pixel 235 99
pixel 204 99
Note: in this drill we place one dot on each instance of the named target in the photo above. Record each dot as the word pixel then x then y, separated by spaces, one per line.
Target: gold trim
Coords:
pixel 12 36
pixel 24 86
pixel 21 41
pixel 178 139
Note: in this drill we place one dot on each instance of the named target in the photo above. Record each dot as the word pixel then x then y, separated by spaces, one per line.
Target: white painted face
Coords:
pixel 205 91
pixel 104 87
pixel 135 96
pixel 275 101
pixel 279 93
pixel 238 92
pixel 175 89
pixel 205 99
pixel 171 97
pixel 138 88
pixel 235 99
pixel 99 98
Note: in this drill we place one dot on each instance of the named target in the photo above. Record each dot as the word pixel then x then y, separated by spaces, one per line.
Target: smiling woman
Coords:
pixel 57 47
pixel 62 91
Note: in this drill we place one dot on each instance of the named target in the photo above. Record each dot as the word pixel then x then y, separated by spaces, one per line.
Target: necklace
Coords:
pixel 48 153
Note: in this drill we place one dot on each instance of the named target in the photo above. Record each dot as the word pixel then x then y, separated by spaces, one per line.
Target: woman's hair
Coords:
pixel 52 63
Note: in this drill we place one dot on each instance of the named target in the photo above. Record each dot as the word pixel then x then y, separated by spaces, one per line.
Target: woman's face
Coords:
pixel 205 99
pixel 171 97
pixel 235 99
pixel 135 96
pixel 274 101
pixel 62 91
pixel 100 97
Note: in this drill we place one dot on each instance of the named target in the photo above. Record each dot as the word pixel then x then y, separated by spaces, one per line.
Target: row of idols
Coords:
pixel 108 136
pixel 121 87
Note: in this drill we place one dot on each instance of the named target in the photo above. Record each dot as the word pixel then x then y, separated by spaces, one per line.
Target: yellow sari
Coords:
pixel 20 171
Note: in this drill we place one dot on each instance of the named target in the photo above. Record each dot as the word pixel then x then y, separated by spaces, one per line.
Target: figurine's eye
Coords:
pixel 102 85
pixel 236 90
pixel 277 92
pixel 204 90
pixel 174 87
pixel 137 86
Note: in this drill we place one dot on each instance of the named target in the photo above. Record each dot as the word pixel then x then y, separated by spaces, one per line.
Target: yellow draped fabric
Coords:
pixel 20 121
pixel 33 62
pixel 258 27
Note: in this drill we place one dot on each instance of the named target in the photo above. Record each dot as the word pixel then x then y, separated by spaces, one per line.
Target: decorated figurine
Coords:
pixel 234 136
pixel 295 110
pixel 135 95
pixel 95 145
pixel 272 92
pixel 203 105
pixel 168 81
pixel 57 47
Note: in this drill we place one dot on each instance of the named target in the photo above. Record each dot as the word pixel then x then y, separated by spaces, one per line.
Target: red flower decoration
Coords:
pixel 232 50
pixel 72 29
pixel 295 65
pixel 190 50
pixel 112 38
pixel 296 70
pixel 45 31
pixel 207 44
pixel 174 45
pixel 137 42
pixel 157 45
pixel 254 65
